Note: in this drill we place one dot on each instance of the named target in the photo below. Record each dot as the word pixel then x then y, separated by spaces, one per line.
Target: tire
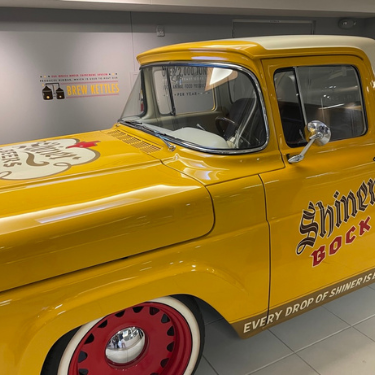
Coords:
pixel 164 336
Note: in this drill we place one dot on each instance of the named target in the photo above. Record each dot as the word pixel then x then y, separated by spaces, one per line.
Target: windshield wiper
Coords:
pixel 173 112
pixel 139 125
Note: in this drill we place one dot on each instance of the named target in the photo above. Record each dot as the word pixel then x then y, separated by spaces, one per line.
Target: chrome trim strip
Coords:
pixel 260 96
pixel 295 68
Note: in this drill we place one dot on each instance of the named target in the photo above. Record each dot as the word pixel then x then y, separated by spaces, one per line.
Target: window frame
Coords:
pixel 294 68
pixel 259 95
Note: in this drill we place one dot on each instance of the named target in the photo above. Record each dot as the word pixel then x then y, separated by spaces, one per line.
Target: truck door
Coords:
pixel 321 209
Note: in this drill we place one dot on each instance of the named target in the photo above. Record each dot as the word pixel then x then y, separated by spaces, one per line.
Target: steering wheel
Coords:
pixel 228 131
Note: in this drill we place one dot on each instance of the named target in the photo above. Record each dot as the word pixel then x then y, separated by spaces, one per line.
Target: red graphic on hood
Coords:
pixel 84 144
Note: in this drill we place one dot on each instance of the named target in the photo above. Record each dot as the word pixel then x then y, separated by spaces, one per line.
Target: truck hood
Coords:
pixel 74 202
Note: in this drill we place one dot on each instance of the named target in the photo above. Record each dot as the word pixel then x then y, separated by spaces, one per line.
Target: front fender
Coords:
pixel 228 268
pixel 35 316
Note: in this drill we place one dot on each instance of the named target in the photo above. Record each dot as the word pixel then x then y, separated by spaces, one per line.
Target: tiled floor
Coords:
pixel 335 339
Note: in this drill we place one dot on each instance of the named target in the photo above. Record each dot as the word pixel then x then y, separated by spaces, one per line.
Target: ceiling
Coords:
pixel 301 8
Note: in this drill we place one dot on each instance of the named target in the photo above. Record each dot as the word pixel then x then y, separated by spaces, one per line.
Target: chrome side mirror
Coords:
pixel 319 132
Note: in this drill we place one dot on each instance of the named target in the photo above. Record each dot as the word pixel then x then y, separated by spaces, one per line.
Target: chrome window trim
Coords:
pixel 301 99
pixel 295 68
pixel 260 96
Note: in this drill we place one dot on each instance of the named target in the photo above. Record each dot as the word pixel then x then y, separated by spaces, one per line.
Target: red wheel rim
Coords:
pixel 167 349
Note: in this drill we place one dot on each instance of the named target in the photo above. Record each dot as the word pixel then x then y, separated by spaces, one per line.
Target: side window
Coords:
pixel 135 106
pixel 290 108
pixel 331 94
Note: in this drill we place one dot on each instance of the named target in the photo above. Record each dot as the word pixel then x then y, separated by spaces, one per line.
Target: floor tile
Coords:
pixel 346 353
pixel 367 327
pixel 308 328
pixel 317 342
pixel 204 368
pixel 292 365
pixel 230 355
pixel 354 307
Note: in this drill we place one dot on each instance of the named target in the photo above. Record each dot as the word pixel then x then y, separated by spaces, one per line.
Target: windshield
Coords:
pixel 199 106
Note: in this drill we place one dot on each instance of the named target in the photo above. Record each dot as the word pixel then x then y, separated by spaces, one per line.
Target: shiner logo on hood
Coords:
pixel 44 158
pixel 319 220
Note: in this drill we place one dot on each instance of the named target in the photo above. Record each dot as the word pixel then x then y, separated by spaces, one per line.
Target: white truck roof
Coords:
pixel 367 45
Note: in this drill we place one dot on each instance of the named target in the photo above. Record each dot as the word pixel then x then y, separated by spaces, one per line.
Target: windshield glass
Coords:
pixel 199 106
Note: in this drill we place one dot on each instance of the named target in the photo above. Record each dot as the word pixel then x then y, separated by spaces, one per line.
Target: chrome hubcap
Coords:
pixel 125 346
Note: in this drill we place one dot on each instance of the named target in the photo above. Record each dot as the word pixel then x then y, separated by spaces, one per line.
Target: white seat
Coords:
pixel 200 137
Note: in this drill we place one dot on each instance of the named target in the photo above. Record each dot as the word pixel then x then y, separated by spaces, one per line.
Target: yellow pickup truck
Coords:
pixel 241 173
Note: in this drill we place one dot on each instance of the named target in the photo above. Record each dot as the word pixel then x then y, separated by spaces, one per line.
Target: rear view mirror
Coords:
pixel 319 133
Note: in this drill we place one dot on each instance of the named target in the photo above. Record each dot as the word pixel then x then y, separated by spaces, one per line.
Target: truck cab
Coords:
pixel 240 174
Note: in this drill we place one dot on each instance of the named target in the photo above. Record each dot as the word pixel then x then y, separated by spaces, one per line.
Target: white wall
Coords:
pixel 179 28
pixel 47 43
pixel 35 42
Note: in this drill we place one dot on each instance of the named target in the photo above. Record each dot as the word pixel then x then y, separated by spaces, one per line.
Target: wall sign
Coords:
pixel 83 85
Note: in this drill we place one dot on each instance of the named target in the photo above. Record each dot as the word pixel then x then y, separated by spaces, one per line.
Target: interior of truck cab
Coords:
pixel 209 107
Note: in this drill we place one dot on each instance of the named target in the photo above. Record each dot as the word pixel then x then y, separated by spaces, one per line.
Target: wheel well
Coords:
pixel 52 360
pixel 58 347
